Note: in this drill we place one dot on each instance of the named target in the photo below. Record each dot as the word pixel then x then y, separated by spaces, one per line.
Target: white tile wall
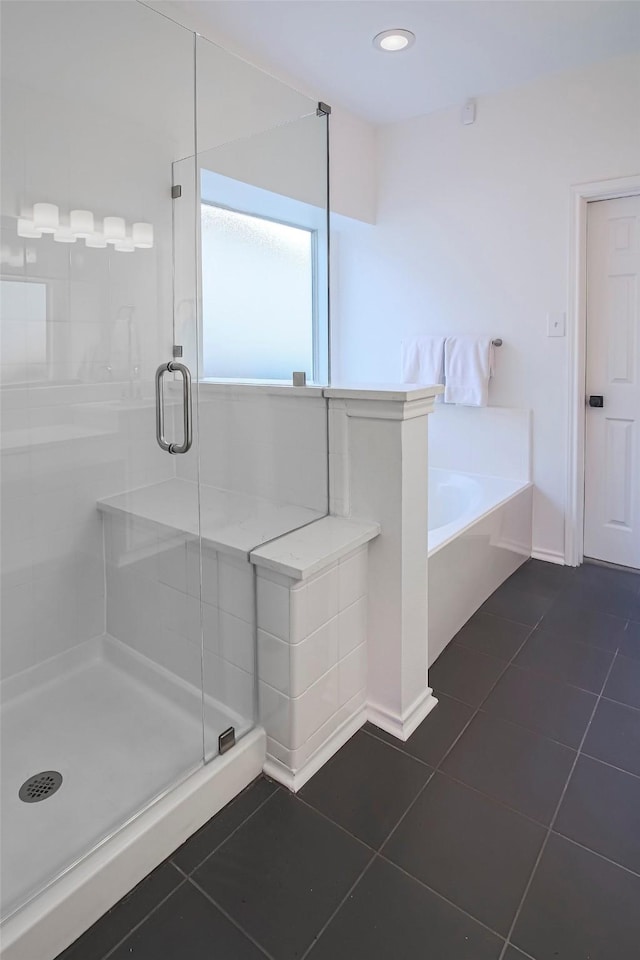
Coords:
pixel 338 459
pixel 81 429
pixel 352 624
pixel 312 655
pixel 269 446
pixel 153 605
pixel 352 670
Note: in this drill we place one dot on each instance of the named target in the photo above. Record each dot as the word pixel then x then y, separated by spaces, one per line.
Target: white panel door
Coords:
pixel 612 459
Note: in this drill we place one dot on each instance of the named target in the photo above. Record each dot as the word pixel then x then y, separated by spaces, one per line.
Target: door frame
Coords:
pixel 581 195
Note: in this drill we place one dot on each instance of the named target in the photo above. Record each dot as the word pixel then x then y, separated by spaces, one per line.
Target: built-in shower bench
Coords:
pixel 310 615
pixel 230 523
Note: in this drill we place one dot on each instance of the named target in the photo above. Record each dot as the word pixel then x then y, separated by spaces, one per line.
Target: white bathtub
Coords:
pixel 479 533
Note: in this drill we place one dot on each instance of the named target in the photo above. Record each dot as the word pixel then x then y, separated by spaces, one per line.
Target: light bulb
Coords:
pixel 392 41
pixel 46 217
pixel 142 235
pixel 114 229
pixel 63 235
pixel 124 246
pixel 27 229
pixel 96 240
pixel 81 223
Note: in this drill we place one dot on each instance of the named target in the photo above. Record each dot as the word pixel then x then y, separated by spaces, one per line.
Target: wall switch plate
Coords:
pixel 556 324
pixel 469 112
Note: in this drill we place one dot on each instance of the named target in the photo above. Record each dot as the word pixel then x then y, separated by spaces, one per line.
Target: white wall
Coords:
pixel 353 149
pixel 472 236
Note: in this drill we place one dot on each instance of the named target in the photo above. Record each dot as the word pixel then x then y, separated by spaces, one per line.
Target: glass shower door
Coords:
pixel 257 197
pixel 101 654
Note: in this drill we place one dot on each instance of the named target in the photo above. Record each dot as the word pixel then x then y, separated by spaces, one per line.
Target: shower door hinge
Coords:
pixel 323 109
pixel 176 191
pixel 226 740
pixel 177 351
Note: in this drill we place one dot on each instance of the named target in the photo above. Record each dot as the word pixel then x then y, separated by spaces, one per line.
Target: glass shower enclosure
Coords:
pixel 163 265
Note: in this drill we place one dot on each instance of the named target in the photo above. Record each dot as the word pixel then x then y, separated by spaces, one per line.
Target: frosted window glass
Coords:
pixel 23 330
pixel 257 296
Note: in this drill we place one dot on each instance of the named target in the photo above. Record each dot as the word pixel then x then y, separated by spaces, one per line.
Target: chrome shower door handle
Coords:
pixel 173 366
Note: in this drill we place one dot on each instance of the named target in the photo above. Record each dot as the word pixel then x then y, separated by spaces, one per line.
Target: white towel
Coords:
pixel 423 360
pixel 468 363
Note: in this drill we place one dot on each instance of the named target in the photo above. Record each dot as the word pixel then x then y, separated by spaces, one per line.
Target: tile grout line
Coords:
pixel 621 703
pixel 334 823
pixel 137 926
pixel 436 767
pixel 376 854
pixel 441 896
pixel 605 763
pixel 236 924
pixel 490 796
pixel 339 907
pixel 498 616
pixel 506 663
pixel 228 836
pixel 555 815
pixel 534 730
pixel 370 733
pixel 185 876
pixel 596 853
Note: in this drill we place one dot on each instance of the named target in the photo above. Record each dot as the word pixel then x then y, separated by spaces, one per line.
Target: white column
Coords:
pixel 380 474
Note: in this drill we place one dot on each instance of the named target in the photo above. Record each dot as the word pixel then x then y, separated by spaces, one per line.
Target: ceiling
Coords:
pixel 463 48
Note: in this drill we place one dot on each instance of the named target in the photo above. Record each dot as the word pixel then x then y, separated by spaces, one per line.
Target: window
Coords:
pixel 259 283
pixel 23 330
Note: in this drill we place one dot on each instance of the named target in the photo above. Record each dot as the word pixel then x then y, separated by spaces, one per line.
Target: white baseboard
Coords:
pixel 70 905
pixel 294 780
pixel 549 556
pixel 402 727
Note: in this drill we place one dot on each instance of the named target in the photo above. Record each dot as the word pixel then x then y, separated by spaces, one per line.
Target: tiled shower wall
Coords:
pixel 153 589
pixel 265 444
pixel 70 454
pixel 77 413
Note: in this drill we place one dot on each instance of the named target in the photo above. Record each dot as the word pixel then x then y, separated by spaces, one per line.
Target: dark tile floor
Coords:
pixel 506 828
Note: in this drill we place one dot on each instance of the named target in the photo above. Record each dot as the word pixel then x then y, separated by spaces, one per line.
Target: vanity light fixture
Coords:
pixel 81 223
pixel 81 226
pixel 114 229
pixel 64 235
pixel 126 245
pixel 96 240
pixel 142 235
pixel 392 41
pixel 46 217
pixel 27 230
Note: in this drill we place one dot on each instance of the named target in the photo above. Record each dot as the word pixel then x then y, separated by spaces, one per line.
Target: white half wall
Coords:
pixel 472 236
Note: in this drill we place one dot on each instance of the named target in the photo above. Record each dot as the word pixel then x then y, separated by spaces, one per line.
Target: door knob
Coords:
pixel 596 400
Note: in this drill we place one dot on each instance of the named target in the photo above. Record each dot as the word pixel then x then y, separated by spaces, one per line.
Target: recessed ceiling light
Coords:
pixel 392 41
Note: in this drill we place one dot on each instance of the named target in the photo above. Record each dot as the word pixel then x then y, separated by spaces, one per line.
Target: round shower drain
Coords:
pixel 40 786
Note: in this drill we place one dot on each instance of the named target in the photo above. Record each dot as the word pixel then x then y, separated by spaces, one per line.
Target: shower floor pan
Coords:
pixel 121 732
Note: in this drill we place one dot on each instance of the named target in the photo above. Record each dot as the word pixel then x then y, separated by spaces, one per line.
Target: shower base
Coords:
pixel 122 732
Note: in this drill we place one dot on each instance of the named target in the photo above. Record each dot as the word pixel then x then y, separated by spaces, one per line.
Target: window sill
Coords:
pixel 233 388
